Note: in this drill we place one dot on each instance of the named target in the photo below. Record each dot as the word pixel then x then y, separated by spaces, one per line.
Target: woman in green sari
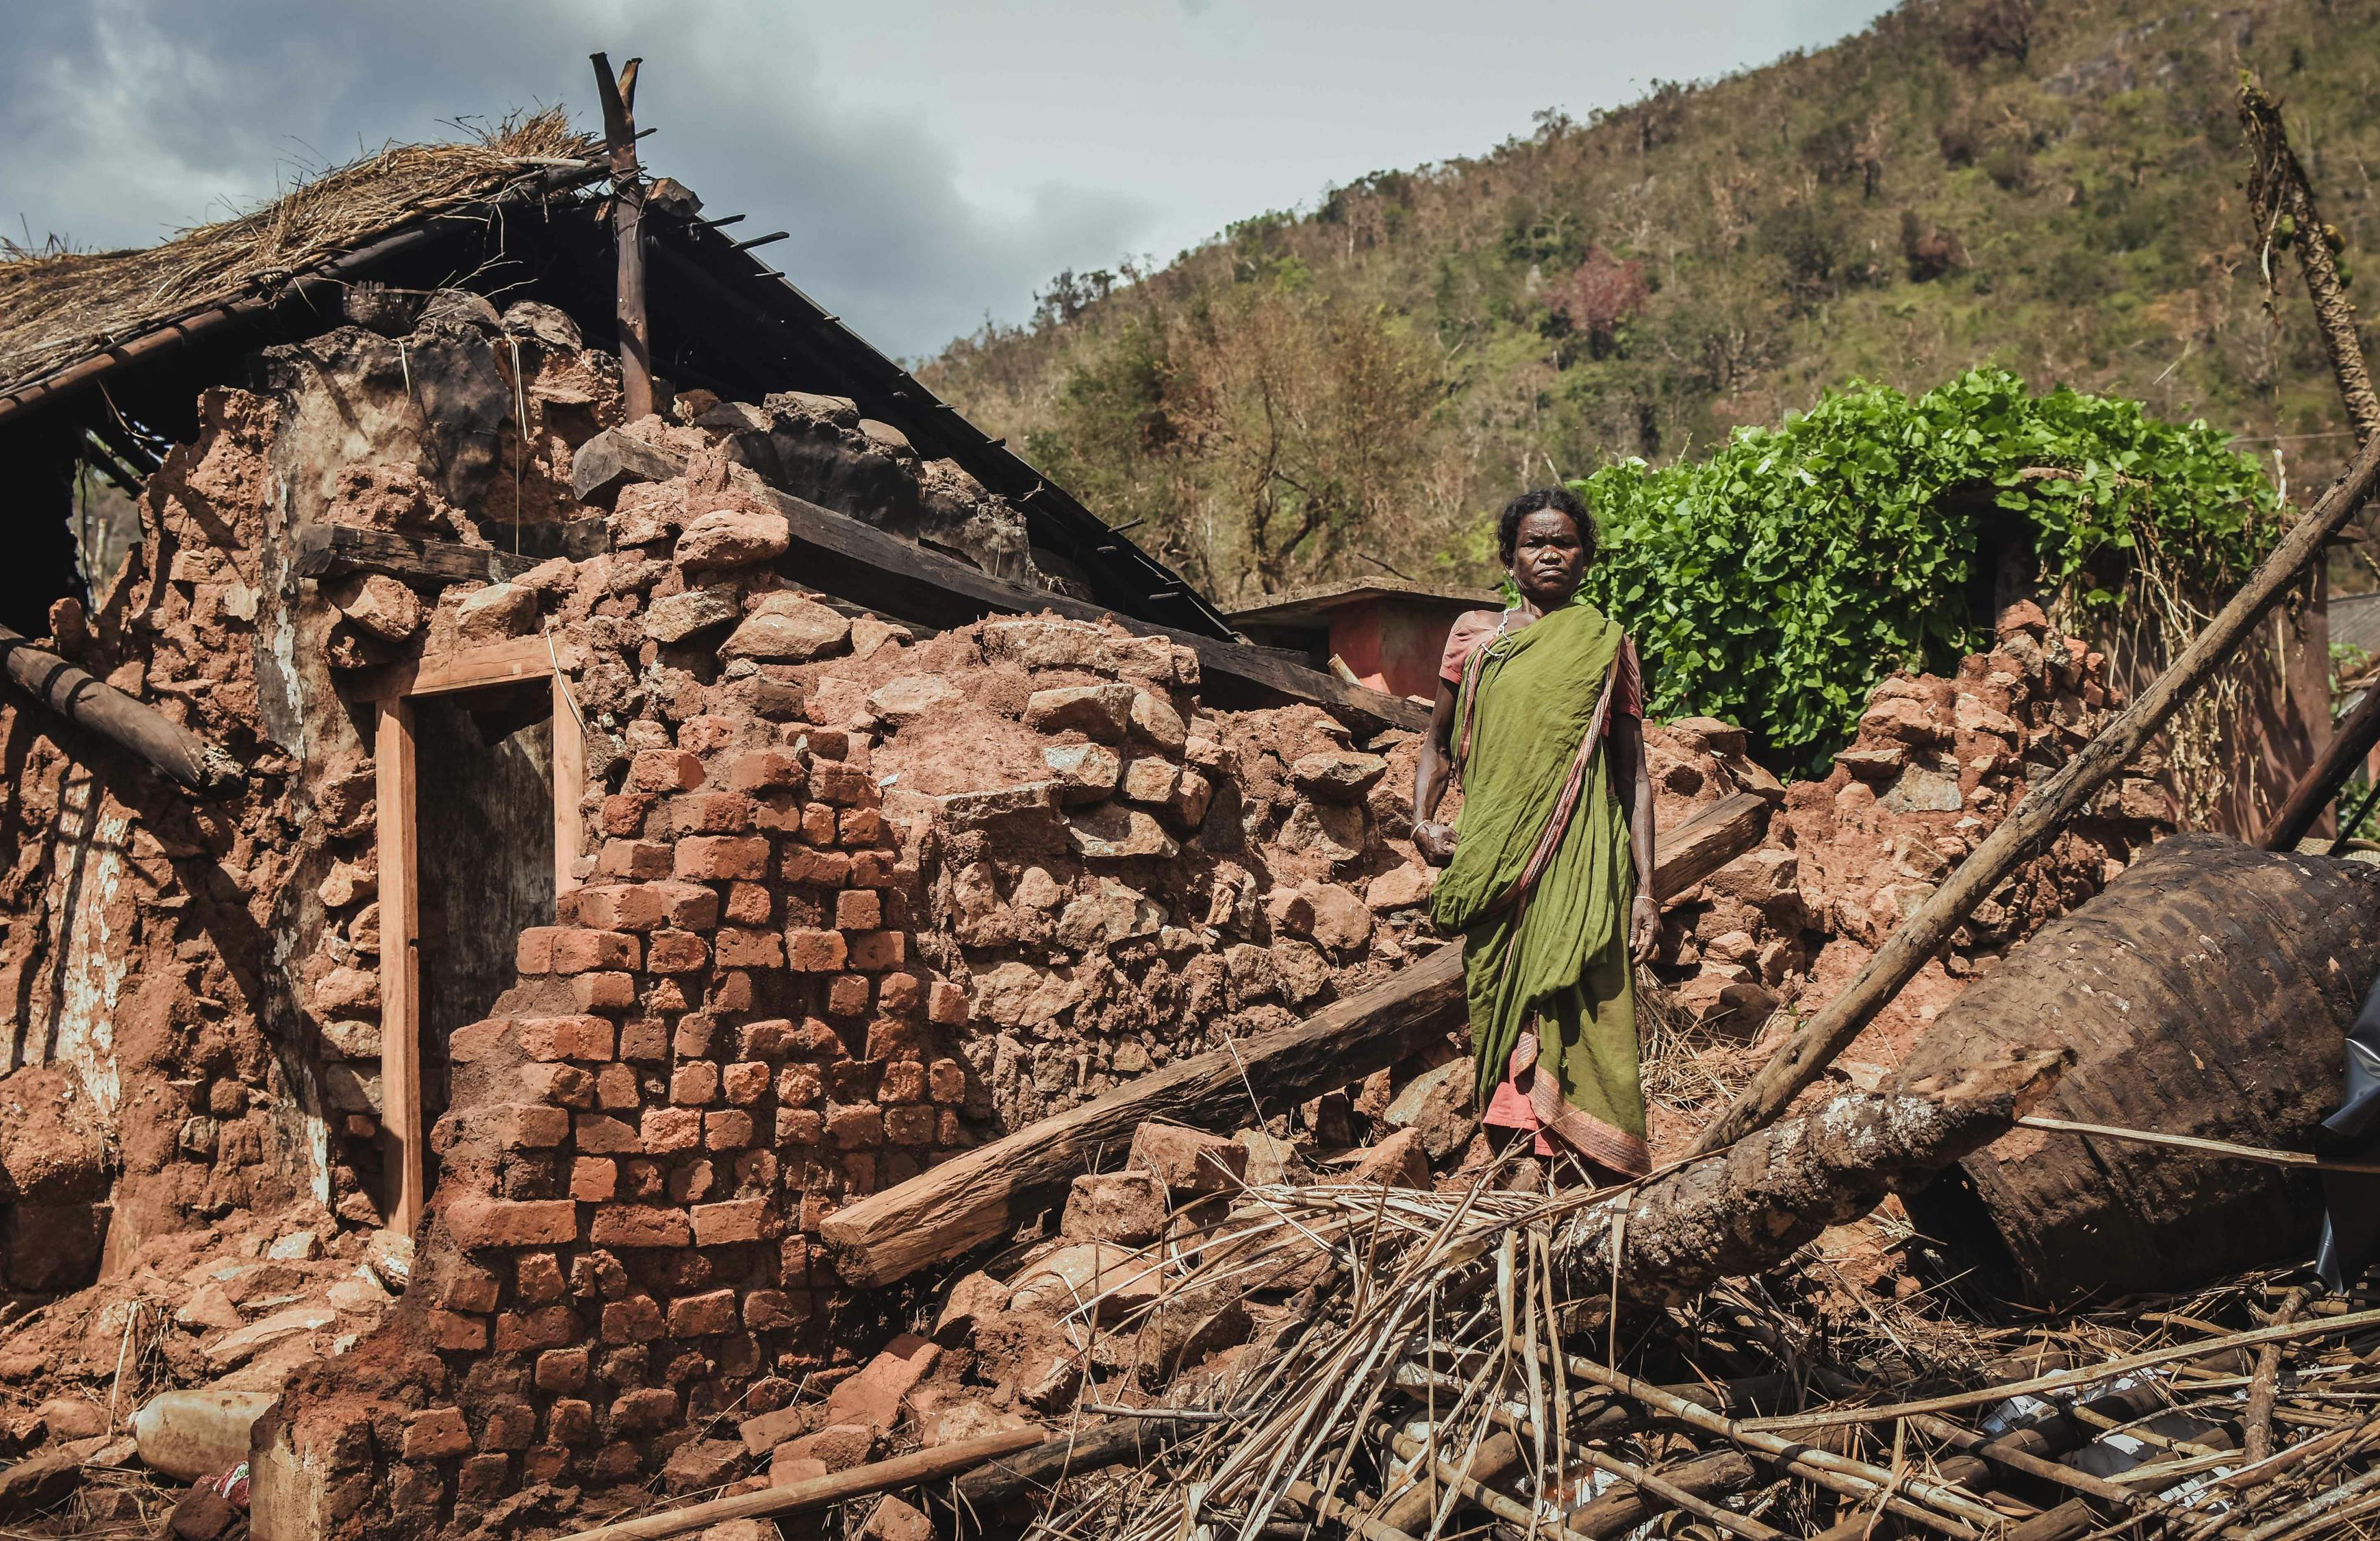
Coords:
pixel 1549 865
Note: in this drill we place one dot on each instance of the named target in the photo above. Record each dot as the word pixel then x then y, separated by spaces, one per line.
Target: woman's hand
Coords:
pixel 1435 841
pixel 1643 928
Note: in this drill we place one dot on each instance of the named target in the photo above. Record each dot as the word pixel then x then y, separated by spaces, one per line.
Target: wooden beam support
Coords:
pixel 983 1193
pixel 862 563
pixel 473 668
pixel 400 965
pixel 141 731
pixel 569 786
pixel 335 550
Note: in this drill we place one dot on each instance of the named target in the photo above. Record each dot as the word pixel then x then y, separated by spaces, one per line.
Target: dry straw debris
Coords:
pixel 58 307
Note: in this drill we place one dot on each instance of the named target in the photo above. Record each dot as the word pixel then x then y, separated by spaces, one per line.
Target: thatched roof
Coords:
pixel 57 307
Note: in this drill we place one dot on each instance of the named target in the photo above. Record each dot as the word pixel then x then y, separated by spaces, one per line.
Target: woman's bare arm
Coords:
pixel 1634 780
pixel 1434 840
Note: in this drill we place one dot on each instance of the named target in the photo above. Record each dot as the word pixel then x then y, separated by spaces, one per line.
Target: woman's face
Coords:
pixel 1548 558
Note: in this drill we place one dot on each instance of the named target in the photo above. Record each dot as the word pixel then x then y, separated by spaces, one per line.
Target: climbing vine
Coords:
pixel 1777 582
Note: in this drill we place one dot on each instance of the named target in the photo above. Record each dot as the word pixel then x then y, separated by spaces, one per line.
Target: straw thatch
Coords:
pixel 56 308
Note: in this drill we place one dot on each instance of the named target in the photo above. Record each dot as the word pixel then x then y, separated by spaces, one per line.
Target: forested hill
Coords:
pixel 2054 187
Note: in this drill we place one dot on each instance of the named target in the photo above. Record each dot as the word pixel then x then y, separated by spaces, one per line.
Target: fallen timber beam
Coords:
pixel 1750 1207
pixel 1829 1031
pixel 861 563
pixel 145 733
pixel 984 1193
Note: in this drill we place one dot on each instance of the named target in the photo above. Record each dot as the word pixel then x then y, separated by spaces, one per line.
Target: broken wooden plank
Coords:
pixel 881 1476
pixel 862 563
pixel 985 1193
pixel 336 550
pixel 142 731
pixel 1713 838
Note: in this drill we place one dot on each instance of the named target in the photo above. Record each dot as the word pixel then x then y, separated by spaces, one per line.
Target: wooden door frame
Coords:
pixel 391 691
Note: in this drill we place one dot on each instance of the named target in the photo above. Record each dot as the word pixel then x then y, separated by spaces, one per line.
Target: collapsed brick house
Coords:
pixel 604 849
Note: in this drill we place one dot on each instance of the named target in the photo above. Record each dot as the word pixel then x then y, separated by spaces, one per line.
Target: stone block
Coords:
pixel 1189 1161
pixel 478 1222
pixel 1099 712
pixel 1128 1208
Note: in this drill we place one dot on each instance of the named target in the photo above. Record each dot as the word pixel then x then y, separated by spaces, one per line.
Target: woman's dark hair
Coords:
pixel 1559 500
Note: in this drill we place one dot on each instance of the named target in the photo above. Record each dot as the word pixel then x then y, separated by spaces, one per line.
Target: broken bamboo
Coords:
pixel 982 1194
pixel 881 1476
pixel 2278 193
pixel 1816 1041
pixel 145 733
pixel 2278 190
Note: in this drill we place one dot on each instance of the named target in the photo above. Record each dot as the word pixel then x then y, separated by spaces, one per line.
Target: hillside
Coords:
pixel 2052 188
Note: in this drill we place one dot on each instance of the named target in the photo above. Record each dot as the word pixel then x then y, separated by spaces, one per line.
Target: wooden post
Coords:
pixel 619 99
pixel 400 963
pixel 1831 1030
pixel 569 786
pixel 2355 737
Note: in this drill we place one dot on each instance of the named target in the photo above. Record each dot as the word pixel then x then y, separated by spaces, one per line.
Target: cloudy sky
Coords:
pixel 934 162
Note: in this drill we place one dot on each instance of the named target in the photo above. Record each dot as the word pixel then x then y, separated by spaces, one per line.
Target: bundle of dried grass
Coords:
pixel 58 307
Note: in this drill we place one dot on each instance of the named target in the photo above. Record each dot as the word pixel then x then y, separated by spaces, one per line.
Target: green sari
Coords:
pixel 1541 882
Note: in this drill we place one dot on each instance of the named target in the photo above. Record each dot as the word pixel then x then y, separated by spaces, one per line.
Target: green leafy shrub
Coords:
pixel 1777 582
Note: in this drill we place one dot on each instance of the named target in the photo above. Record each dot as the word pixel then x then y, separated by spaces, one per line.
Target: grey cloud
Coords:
pixel 126 118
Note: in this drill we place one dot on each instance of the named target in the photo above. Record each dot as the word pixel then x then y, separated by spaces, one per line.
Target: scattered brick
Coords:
pixel 454 1331
pixel 727 1129
pixel 636 1319
pixel 751 950
pixel 664 1130
pixel 663 770
pixel 848 995
pixel 694 1082
pixel 732 1221
pixel 701 1316
pixel 605 990
pixel 710 814
pixel 570 1421
pixel 815 951
pixel 478 1040
pixel 435 1433
pixel 871 951
pixel 593 1179
pixel 534 952
pixel 634 858
pixel 560 1370
pixel 676 952
pixel 477 1222
pixel 715 858
pixel 579 948
pixel 629 1225
pixel 854 1126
